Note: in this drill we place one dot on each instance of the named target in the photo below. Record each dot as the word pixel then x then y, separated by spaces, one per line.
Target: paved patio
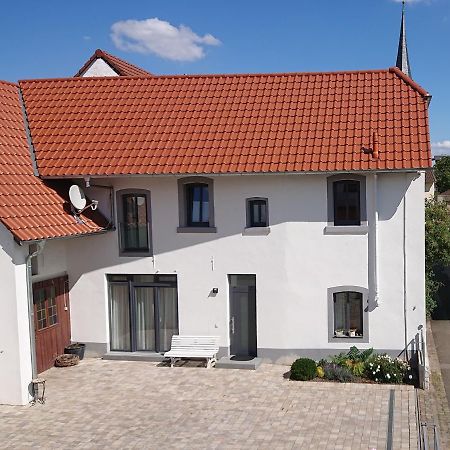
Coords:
pixel 119 404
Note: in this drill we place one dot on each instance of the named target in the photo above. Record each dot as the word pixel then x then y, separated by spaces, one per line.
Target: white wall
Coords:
pixel 52 261
pixel 99 68
pixel 15 355
pixel 294 265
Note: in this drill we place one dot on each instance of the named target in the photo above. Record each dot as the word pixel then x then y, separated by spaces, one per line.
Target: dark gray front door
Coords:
pixel 242 315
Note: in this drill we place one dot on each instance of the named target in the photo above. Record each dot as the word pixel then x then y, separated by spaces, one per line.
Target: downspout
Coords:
pixel 404 273
pixel 40 247
pixel 375 240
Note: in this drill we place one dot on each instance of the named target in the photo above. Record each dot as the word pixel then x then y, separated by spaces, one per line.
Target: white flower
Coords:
pixel 374 373
pixel 378 367
pixel 410 377
pixel 388 376
pixel 376 379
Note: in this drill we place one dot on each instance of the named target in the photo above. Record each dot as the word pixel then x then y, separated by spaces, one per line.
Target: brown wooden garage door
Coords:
pixel 51 320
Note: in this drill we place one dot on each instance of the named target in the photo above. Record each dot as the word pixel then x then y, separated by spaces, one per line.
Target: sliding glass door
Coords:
pixel 145 318
pixel 143 312
pixel 119 317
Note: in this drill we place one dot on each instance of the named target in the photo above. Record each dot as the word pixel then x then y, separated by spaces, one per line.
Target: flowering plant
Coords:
pixel 384 369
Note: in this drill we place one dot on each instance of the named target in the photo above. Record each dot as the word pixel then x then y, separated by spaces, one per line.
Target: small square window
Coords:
pixel 257 212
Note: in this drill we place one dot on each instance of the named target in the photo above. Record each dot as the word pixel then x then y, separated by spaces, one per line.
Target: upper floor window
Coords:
pixel 347 209
pixel 196 205
pixel 257 212
pixel 134 222
pixel 346 200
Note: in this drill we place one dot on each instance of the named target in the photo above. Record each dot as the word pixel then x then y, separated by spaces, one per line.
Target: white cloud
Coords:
pixel 160 38
pixel 441 147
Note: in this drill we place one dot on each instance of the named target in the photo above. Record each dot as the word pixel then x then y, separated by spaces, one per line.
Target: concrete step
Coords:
pixel 236 362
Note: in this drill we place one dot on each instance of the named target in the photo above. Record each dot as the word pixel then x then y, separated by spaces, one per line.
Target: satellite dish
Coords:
pixel 77 197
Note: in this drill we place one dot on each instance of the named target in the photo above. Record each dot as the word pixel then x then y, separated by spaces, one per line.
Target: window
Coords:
pixel 46 311
pixel 346 201
pixel 348 314
pixel 257 212
pixel 134 222
pixel 196 205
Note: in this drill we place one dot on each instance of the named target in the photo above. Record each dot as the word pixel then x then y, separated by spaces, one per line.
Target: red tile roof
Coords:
pixel 222 124
pixel 29 208
pixel 121 67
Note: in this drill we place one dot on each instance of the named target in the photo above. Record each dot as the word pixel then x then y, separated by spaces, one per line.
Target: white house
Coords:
pixel 281 212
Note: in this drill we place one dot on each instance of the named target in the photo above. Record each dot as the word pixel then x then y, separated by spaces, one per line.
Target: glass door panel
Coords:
pixel 119 317
pixel 145 318
pixel 168 316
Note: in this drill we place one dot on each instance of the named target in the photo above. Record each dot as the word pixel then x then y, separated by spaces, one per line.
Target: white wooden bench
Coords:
pixel 194 347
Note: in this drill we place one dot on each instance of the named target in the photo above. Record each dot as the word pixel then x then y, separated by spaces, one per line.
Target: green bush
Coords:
pixel 303 369
pixel 384 369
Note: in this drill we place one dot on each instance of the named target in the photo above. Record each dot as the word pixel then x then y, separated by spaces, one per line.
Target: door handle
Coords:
pixel 232 324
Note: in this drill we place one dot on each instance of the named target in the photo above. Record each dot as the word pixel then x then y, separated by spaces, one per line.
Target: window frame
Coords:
pixel 49 292
pixel 248 202
pixel 120 196
pixel 346 228
pixel 365 314
pixel 184 223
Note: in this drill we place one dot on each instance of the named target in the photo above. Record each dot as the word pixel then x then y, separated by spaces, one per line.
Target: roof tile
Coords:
pixel 30 208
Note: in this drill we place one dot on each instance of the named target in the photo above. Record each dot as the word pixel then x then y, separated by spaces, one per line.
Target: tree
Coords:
pixel 437 247
pixel 442 174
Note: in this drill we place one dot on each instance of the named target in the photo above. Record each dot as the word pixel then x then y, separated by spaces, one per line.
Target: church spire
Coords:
pixel 402 54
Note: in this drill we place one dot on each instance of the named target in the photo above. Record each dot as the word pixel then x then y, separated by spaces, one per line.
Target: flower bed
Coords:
pixel 360 366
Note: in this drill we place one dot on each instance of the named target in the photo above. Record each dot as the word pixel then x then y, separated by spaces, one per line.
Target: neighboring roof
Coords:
pixel 121 67
pixel 221 124
pixel 29 208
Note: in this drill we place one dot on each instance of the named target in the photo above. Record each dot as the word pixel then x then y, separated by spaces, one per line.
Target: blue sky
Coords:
pixel 53 38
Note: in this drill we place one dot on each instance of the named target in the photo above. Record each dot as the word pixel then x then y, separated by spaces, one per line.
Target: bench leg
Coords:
pixel 210 362
pixel 173 361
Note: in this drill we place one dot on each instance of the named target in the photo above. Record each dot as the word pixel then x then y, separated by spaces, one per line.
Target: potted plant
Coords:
pixel 340 332
pixel 77 348
pixel 352 332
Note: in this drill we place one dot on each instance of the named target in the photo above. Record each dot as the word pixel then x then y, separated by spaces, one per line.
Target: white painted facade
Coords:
pixel 15 353
pixel 100 68
pixel 295 266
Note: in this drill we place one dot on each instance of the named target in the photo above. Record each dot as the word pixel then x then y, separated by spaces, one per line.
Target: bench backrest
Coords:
pixel 200 342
